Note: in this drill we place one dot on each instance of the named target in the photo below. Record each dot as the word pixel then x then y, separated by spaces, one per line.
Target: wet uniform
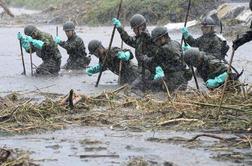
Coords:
pixel 77 55
pixel 49 54
pixel 129 70
pixel 212 44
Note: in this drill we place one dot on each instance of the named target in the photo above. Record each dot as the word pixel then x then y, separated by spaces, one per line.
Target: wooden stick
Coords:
pixel 31 60
pixel 57 31
pixel 206 135
pixel 226 81
pixel 22 57
pixel 99 156
pixel 172 121
pixel 110 44
pixel 186 18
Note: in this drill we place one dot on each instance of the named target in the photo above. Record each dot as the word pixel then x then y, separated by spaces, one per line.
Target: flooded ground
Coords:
pixel 66 146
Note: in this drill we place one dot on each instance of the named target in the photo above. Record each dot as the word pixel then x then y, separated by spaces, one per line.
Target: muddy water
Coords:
pixel 63 147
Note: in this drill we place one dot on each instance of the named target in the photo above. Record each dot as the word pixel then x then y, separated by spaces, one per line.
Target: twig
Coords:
pixel 99 156
pixel 177 121
pixel 206 135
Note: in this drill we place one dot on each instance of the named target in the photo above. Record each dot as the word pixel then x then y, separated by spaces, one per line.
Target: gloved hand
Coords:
pixel 20 36
pixel 185 32
pixel 217 81
pixel 159 73
pixel 236 44
pixel 57 40
pixel 25 41
pixel 93 69
pixel 116 22
pixel 37 43
pixel 186 47
pixel 124 56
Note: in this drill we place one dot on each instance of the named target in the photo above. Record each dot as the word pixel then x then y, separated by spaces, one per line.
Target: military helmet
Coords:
pixel 93 45
pixel 208 21
pixel 192 56
pixel 68 26
pixel 137 20
pixel 158 32
pixel 29 30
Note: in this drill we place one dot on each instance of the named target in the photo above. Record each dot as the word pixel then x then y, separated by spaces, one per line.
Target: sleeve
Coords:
pixel 129 40
pixel 192 42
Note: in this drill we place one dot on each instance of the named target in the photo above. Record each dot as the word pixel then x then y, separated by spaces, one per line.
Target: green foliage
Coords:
pixel 35 4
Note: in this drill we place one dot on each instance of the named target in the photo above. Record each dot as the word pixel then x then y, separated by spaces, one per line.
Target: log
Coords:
pixel 6 9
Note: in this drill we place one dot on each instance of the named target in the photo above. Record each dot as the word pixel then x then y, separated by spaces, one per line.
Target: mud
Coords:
pixel 75 144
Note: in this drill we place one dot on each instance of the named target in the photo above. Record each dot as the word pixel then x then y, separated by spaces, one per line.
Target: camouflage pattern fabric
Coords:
pixel 211 44
pixel 129 70
pixel 169 57
pixel 77 53
pixel 49 54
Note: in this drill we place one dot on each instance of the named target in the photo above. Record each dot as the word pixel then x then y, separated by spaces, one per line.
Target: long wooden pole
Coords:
pixel 31 60
pixel 182 40
pixel 22 57
pixel 226 81
pixel 110 44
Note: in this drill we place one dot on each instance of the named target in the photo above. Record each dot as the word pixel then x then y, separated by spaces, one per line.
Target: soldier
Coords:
pixel 211 43
pixel 245 37
pixel 210 69
pixel 167 63
pixel 142 39
pixel 43 44
pixel 75 48
pixel 129 71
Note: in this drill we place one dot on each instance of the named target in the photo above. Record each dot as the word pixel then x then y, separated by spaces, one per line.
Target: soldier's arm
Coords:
pixel 72 45
pixel 129 40
pixel 244 38
pixel 192 41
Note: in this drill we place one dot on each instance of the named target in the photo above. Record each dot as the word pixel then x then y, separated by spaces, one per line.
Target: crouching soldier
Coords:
pixel 129 71
pixel 43 44
pixel 75 48
pixel 167 64
pixel 210 42
pixel 210 69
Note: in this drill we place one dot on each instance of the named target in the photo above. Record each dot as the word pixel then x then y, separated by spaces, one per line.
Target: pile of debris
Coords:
pixel 14 157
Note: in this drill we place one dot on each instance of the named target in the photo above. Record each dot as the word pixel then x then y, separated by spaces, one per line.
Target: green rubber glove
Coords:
pixel 57 40
pixel 159 73
pixel 37 43
pixel 116 22
pixel 25 41
pixel 186 47
pixel 93 69
pixel 185 32
pixel 124 56
pixel 217 81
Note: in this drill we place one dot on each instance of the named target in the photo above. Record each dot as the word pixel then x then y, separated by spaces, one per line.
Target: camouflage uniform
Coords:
pixel 143 44
pixel 168 57
pixel 49 54
pixel 211 44
pixel 129 71
pixel 77 55
pixel 208 67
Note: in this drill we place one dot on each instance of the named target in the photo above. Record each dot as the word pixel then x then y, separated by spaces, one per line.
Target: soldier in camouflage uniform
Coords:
pixel 129 71
pixel 75 48
pixel 210 69
pixel 43 44
pixel 168 56
pixel 141 41
pixel 244 38
pixel 211 43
